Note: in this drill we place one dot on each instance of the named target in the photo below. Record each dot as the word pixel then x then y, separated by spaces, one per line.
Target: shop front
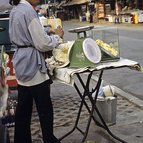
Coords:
pixel 117 11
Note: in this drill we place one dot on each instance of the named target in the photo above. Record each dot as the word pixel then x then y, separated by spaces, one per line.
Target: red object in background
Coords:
pixel 132 19
pixel 11 80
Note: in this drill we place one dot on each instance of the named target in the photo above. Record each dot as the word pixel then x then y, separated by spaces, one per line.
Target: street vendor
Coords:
pixel 31 42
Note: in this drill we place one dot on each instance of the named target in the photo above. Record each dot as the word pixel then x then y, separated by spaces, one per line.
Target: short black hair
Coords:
pixel 14 2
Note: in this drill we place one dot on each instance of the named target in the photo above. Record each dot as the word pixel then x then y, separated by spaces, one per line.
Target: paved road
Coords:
pixel 130 38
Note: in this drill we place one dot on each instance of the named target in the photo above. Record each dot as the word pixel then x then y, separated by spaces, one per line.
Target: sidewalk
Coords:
pixel 129 25
pixel 138 26
pixel 129 125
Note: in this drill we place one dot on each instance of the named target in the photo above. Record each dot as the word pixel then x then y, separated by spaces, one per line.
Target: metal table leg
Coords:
pixel 80 108
pixel 94 108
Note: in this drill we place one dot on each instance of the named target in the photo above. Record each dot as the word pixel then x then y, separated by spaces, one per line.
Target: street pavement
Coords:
pixel 129 117
pixel 128 126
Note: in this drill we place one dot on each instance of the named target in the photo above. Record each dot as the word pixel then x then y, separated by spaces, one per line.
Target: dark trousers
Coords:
pixel 41 94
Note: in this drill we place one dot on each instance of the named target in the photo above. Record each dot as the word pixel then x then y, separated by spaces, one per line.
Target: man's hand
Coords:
pixel 59 31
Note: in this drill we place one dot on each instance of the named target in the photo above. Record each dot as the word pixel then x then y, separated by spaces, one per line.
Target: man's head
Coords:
pixel 32 2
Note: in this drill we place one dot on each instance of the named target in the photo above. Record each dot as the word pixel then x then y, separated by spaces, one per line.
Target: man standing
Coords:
pixel 28 35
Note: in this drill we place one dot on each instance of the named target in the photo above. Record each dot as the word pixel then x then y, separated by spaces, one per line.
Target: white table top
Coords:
pixel 66 74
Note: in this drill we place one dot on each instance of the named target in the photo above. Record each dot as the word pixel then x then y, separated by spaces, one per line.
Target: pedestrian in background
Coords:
pixel 31 42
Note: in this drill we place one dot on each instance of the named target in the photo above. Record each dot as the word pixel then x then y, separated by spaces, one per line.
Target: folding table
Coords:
pixel 66 75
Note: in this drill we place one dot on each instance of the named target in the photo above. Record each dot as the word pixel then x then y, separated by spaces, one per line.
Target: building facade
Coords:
pixel 94 10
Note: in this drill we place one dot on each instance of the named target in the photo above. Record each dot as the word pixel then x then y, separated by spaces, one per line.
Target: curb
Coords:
pixel 129 97
pixel 119 92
